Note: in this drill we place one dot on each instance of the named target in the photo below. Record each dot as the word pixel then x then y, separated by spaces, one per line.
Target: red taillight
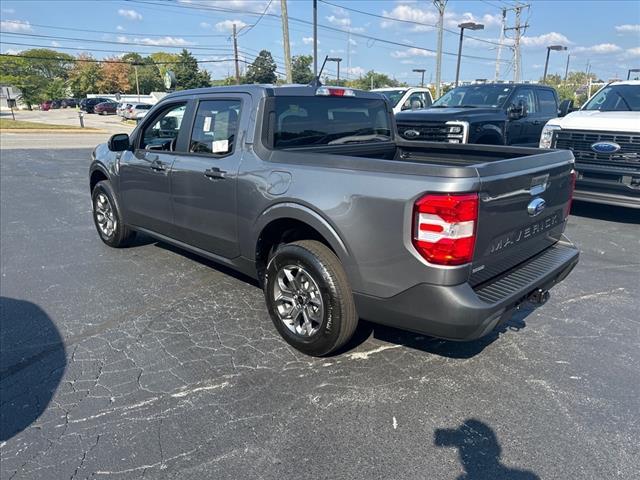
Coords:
pixel 444 229
pixel 572 186
pixel 335 92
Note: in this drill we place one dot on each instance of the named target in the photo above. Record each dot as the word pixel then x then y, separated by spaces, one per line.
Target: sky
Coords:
pixel 392 37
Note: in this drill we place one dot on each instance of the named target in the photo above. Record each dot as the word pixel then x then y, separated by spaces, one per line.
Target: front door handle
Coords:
pixel 215 173
pixel 537 122
pixel 158 166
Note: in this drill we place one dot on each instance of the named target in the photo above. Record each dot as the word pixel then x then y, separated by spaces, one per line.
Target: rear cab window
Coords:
pixel 310 121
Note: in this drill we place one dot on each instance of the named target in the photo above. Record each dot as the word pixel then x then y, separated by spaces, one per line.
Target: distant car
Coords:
pixel 140 115
pixel 131 113
pixel 406 98
pixel 68 103
pixel 56 104
pixel 105 108
pixel 88 104
pixel 46 105
pixel 122 107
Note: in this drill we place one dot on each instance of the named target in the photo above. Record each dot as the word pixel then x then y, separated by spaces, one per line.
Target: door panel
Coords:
pixel 144 174
pixel 203 181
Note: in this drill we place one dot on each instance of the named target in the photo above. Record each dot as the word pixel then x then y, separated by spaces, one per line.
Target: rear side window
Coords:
pixel 306 121
pixel 215 127
pixel 547 102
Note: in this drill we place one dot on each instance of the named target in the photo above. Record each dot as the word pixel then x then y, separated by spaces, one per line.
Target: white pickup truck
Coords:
pixel 604 136
pixel 406 98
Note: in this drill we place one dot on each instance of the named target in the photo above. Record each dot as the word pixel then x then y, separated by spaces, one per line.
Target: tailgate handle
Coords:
pixel 539 184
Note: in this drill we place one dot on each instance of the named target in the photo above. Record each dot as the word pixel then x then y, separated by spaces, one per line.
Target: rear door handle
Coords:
pixel 215 173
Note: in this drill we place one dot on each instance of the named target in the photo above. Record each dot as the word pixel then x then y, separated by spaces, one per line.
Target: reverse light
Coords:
pixel 444 228
pixel 547 135
pixel 335 92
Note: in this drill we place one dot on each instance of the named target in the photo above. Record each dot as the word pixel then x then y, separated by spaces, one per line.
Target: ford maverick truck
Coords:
pixel 310 190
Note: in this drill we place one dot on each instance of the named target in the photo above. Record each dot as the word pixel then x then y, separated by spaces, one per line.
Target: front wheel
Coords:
pixel 107 216
pixel 309 297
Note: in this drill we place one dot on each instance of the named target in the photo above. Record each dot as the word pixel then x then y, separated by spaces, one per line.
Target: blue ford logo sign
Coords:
pixel 605 147
pixel 536 206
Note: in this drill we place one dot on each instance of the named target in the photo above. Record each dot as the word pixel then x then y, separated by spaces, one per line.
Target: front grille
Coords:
pixel 579 142
pixel 434 131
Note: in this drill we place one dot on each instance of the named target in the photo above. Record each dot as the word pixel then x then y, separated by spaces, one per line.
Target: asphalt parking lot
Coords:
pixel 149 362
pixel 69 116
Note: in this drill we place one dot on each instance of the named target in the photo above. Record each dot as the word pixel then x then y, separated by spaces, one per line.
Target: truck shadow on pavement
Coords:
pixel 479 452
pixel 32 362
pixel 436 346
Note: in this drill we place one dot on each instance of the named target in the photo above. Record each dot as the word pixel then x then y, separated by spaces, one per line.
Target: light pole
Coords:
pixel 546 63
pixel 420 70
pixel 462 26
pixel 337 60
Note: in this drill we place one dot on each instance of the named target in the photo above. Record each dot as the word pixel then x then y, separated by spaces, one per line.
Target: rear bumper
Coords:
pixel 462 312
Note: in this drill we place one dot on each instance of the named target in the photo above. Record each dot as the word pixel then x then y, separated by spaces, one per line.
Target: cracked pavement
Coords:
pixel 148 362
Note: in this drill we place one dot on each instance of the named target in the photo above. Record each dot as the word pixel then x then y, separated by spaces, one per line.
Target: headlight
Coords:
pixel 547 135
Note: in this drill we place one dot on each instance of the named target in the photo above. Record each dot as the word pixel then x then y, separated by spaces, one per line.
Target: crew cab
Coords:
pixel 490 114
pixel 604 136
pixel 409 98
pixel 309 190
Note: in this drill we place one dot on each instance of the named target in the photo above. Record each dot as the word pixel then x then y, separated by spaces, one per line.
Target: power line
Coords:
pixel 194 35
pixel 257 21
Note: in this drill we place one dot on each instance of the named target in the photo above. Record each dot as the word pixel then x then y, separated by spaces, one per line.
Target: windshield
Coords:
pixel 306 121
pixel 616 98
pixel 490 96
pixel 394 96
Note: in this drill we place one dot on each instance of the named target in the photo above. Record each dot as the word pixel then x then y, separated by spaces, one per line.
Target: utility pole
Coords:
pixel 440 5
pixel 135 69
pixel 504 21
pixel 285 39
pixel 566 69
pixel 235 54
pixel 519 31
pixel 315 38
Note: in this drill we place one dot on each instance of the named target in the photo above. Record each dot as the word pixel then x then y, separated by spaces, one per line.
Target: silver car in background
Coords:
pixel 134 109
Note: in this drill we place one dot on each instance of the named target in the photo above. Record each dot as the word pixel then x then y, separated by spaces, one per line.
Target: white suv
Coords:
pixel 405 98
pixel 604 136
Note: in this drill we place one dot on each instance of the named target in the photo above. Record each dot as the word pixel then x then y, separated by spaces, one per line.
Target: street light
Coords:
pixel 337 60
pixel 546 63
pixel 462 26
pixel 420 70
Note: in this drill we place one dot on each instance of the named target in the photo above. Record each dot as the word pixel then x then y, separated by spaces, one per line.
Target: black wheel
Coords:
pixel 107 216
pixel 309 297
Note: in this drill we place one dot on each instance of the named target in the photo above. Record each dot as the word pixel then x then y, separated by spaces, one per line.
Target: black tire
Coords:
pixel 121 235
pixel 339 319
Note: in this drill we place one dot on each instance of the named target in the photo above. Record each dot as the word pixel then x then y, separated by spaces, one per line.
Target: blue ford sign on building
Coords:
pixel 605 147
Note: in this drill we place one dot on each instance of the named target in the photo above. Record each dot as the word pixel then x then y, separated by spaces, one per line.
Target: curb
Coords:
pixel 51 130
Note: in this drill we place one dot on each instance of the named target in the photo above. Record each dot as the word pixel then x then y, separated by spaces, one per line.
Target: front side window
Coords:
pixel 525 95
pixel 394 96
pixel 215 127
pixel 616 98
pixel 162 132
pixel 306 121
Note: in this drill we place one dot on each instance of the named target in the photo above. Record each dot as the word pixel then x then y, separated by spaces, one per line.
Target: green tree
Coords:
pixel 165 61
pixel 149 78
pixel 301 69
pixel 373 80
pixel 34 73
pixel 575 88
pixel 187 73
pixel 84 76
pixel 263 69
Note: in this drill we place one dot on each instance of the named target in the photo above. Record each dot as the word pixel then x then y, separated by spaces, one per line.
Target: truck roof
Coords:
pixel 269 90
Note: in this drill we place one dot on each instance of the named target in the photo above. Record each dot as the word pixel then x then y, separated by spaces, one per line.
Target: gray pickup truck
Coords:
pixel 310 190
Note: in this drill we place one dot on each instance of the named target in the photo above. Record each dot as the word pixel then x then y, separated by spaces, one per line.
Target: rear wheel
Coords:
pixel 309 297
pixel 107 217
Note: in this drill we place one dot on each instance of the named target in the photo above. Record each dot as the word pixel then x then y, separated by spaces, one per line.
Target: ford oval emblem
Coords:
pixel 536 206
pixel 605 147
pixel 411 133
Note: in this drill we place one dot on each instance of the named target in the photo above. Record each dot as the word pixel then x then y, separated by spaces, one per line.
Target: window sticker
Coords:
pixel 220 146
pixel 207 124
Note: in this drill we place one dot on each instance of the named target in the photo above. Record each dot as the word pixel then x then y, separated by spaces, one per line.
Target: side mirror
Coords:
pixel 518 111
pixel 119 142
pixel 566 107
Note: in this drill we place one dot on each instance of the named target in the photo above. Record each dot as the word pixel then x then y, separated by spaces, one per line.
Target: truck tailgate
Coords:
pixel 523 209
